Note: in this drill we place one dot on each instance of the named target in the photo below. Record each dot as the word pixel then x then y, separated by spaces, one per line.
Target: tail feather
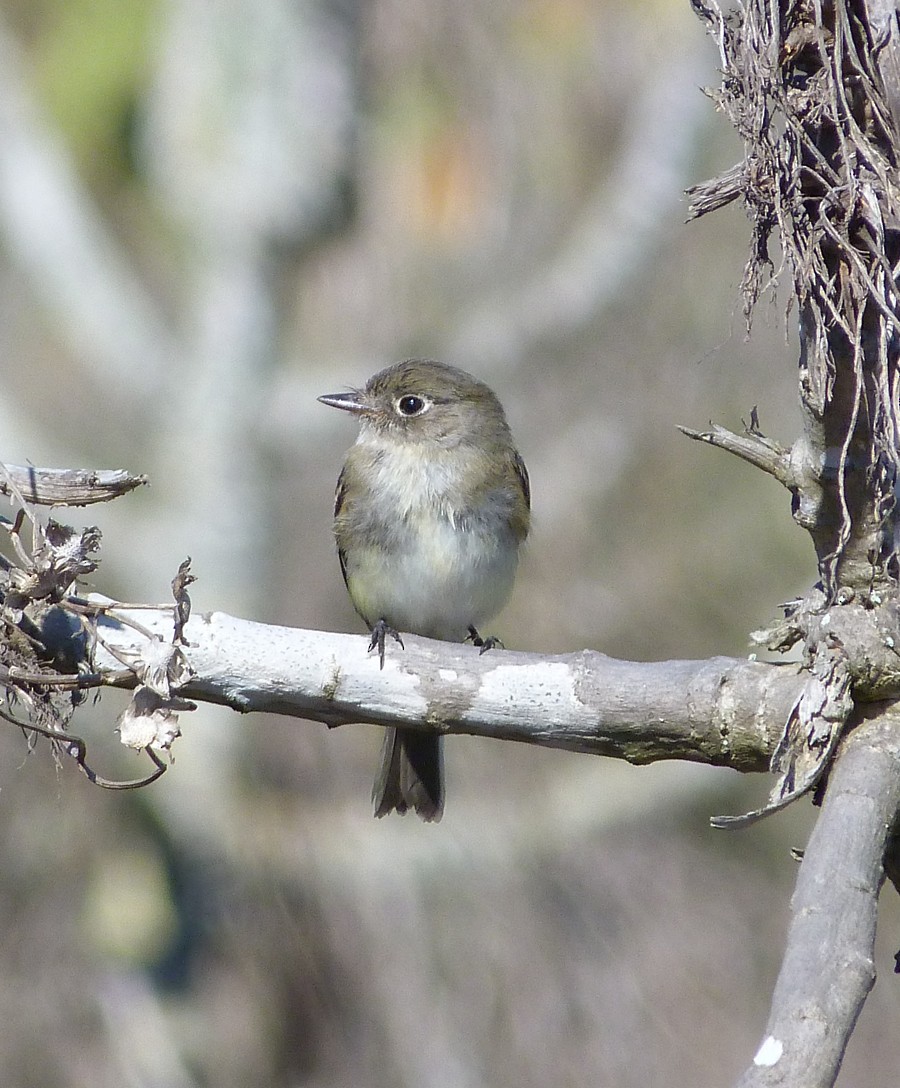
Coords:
pixel 411 775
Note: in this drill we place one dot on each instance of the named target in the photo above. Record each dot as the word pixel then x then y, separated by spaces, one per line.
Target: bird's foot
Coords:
pixel 380 632
pixel 484 644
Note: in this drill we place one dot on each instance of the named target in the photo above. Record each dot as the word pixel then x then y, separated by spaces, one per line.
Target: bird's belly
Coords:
pixel 437 580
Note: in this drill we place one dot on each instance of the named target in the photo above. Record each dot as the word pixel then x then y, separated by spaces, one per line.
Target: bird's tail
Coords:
pixel 411 774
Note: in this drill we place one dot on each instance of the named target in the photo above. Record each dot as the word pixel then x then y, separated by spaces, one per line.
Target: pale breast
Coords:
pixel 418 564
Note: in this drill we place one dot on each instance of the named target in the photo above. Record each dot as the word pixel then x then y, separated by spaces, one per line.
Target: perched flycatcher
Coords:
pixel 431 506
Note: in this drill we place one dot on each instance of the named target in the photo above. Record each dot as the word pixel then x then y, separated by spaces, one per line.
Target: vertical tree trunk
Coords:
pixel 814 91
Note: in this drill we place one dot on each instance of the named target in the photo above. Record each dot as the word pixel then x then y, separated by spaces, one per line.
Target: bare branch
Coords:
pixel 718 192
pixel 725 711
pixel 69 486
pixel 828 968
pixel 750 446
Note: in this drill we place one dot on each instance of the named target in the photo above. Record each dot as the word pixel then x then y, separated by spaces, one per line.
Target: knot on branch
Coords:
pixel 865 627
pixel 811 734
pixel 851 656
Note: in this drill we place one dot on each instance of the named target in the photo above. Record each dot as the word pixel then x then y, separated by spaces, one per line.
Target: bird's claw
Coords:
pixel 380 632
pixel 484 644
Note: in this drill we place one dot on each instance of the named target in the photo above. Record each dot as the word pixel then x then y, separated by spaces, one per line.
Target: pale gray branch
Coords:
pixel 754 448
pixel 69 486
pixel 828 967
pixel 724 711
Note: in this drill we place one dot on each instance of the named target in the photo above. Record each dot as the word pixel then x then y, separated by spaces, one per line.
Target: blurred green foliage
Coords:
pixel 91 60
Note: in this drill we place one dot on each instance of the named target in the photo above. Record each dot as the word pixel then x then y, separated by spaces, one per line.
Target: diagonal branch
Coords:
pixel 752 447
pixel 828 967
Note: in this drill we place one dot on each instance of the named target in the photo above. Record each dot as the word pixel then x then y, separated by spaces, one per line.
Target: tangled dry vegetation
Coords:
pixel 52 631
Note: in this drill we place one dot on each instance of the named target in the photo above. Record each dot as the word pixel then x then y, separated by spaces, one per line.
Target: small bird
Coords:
pixel 431 506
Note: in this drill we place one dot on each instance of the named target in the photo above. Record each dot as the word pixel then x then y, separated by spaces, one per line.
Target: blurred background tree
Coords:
pixel 209 213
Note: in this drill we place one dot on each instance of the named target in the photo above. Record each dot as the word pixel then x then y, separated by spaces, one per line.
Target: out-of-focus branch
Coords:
pixel 72 260
pixel 724 711
pixel 247 130
pixel 828 967
pixel 616 236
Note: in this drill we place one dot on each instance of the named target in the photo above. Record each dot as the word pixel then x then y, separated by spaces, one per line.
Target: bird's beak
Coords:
pixel 353 401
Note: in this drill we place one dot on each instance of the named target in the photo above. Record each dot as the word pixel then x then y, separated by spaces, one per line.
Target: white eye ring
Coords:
pixel 411 405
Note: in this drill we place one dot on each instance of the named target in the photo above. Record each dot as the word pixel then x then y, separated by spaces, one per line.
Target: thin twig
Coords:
pixel 752 448
pixel 76 747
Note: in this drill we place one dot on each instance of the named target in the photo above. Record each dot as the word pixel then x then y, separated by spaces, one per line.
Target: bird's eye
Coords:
pixel 411 405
